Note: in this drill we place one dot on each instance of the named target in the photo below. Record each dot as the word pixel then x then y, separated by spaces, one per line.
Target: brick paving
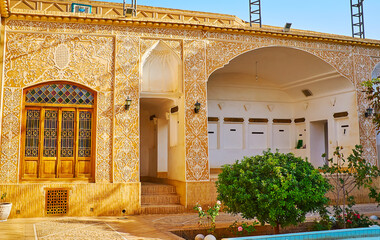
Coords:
pixel 142 227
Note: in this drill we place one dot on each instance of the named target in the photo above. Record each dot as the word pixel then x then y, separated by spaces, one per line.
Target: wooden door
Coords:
pixel 58 132
pixel 49 140
pixel 85 118
pixel 31 140
pixel 67 146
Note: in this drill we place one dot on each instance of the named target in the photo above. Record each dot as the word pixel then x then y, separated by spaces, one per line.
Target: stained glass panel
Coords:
pixel 50 133
pixel 32 133
pixel 67 134
pixel 59 94
pixel 84 134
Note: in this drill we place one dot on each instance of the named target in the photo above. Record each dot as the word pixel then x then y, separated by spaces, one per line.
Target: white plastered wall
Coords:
pixel 236 102
pixel 269 83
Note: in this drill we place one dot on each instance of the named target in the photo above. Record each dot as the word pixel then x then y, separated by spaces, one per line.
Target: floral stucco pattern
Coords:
pixel 107 58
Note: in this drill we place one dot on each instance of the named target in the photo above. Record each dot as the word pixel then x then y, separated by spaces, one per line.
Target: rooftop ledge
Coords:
pixel 112 13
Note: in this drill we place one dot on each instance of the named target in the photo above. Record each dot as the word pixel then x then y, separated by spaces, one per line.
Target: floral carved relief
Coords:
pixel 31 58
pixel 10 135
pixel 126 141
pixel 175 45
pixel 196 138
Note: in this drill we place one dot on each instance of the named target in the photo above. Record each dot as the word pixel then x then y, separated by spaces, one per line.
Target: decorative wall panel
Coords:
pixel 196 137
pixel 126 141
pixel 30 58
pixel 10 134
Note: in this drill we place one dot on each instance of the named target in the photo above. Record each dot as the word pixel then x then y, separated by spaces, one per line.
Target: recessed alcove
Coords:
pixel 161 70
pixel 290 88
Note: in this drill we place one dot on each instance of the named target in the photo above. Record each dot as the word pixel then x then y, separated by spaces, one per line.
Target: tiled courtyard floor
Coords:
pixel 115 228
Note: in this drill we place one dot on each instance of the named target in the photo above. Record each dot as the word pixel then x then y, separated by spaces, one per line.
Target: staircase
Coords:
pixel 159 199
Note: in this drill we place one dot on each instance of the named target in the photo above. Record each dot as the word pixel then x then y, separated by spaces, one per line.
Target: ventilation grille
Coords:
pixel 307 93
pixel 57 201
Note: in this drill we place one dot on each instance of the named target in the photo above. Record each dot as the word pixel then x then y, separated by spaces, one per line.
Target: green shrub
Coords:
pixel 346 175
pixel 210 215
pixel 275 188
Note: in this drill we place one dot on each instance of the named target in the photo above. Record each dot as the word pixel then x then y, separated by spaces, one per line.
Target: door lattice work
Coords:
pixel 50 133
pixel 67 134
pixel 57 132
pixel 57 201
pixel 85 134
pixel 32 133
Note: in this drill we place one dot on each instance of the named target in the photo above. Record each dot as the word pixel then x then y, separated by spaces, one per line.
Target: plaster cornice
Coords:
pixel 169 18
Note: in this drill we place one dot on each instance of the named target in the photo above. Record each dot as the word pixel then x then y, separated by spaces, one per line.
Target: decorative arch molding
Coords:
pixel 351 64
pixel 227 51
pixel 207 56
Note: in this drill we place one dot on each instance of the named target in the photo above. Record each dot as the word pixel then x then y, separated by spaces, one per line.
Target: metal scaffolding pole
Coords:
pixel 130 10
pixel 255 12
pixel 357 19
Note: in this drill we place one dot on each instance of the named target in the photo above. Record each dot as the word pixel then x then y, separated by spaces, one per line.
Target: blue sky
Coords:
pixel 330 16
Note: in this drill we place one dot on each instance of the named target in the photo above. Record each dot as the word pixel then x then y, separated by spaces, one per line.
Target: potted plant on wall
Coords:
pixel 5 209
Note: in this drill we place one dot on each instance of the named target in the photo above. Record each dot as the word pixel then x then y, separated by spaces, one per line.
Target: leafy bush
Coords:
pixel 353 219
pixel 210 214
pixel 275 188
pixel 242 228
pixel 347 174
pixel 325 221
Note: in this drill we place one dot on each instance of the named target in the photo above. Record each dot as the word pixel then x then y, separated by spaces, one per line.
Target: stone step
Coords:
pixel 160 199
pixel 162 209
pixel 155 189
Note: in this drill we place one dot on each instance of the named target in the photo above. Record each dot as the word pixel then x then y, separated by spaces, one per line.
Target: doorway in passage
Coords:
pixel 319 142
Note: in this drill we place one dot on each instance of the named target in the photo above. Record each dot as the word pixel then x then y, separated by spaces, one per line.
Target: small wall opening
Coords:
pixel 57 202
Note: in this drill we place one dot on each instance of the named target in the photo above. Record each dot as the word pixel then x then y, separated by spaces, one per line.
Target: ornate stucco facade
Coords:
pixel 105 55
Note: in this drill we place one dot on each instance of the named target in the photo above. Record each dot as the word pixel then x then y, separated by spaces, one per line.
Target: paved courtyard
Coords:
pixel 115 228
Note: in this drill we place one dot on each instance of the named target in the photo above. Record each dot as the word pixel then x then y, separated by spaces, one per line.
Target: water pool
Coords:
pixel 371 233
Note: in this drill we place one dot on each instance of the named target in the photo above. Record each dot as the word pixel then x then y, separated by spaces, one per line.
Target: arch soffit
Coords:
pixel 148 53
pixel 333 63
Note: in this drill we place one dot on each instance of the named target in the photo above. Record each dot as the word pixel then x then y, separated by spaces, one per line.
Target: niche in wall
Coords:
pixel 233 135
pixel 300 129
pixel 343 131
pixel 281 136
pixel 162 69
pixel 257 136
pixel 213 135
